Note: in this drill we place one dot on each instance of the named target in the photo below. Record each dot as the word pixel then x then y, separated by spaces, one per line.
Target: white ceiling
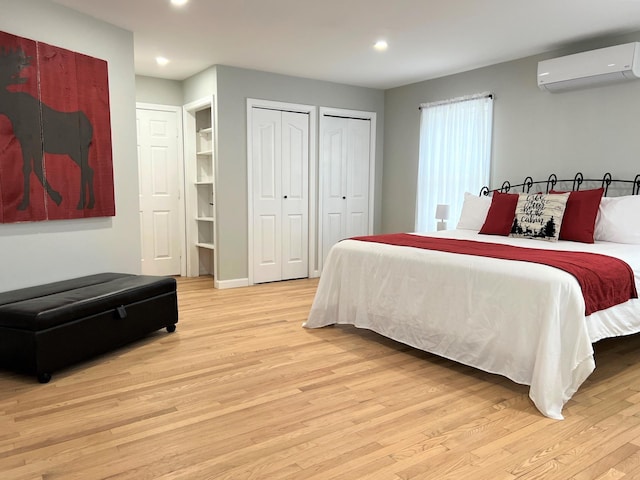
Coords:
pixel 332 39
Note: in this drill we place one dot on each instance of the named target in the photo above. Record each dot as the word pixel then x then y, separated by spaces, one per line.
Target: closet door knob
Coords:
pixel 344 198
pixel 285 196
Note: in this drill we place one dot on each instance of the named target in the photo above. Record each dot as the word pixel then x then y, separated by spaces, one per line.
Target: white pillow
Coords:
pixel 618 220
pixel 474 212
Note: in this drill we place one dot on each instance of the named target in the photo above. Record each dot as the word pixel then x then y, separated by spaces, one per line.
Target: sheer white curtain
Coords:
pixel 455 155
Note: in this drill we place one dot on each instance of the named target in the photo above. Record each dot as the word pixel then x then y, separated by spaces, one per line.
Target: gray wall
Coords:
pixel 159 91
pixel 37 252
pixel 234 86
pixel 535 133
pixel 199 86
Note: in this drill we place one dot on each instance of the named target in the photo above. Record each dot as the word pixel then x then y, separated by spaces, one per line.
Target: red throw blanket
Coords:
pixel 605 281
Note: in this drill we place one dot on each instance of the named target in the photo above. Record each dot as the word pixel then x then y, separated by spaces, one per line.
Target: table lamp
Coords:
pixel 442 215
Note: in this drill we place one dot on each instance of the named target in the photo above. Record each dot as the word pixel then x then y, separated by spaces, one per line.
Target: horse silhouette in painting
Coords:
pixel 41 129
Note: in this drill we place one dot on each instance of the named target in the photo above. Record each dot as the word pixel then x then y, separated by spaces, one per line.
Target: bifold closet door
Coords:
pixel 280 146
pixel 345 164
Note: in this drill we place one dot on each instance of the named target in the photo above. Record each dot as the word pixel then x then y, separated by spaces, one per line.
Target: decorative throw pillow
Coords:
pixel 617 220
pixel 579 221
pixel 539 216
pixel 501 214
pixel 474 212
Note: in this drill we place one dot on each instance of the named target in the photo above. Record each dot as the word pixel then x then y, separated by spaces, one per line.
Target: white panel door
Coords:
pixel 345 166
pixel 267 195
pixel 358 161
pixel 295 195
pixel 334 181
pixel 280 173
pixel 159 191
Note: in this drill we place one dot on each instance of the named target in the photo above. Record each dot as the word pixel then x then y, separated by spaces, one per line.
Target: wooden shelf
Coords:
pixel 201 193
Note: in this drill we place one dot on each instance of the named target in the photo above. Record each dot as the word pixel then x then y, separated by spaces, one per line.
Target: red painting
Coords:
pixel 55 133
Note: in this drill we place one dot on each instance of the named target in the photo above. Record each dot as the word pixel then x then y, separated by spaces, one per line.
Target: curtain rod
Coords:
pixel 456 100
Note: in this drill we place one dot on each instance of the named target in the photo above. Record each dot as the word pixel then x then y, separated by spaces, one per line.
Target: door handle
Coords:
pixel 344 198
pixel 285 196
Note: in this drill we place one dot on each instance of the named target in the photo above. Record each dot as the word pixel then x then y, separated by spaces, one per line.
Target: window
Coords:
pixel 454 155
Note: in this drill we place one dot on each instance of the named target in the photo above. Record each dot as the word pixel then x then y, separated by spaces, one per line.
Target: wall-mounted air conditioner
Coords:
pixel 611 64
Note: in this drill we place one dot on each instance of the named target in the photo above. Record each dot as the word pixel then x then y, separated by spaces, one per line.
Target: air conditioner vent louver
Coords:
pixel 595 67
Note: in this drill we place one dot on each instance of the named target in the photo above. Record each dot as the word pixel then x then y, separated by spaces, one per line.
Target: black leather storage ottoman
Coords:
pixel 48 327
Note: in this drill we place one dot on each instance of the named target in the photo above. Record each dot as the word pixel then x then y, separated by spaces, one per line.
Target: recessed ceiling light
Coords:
pixel 381 45
pixel 178 3
pixel 162 61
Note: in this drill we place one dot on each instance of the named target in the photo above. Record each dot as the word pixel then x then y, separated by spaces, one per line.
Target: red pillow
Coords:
pixel 578 223
pixel 501 214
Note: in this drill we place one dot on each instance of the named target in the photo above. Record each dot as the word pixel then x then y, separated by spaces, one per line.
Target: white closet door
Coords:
pixel 358 161
pixel 345 164
pixel 267 195
pixel 295 195
pixel 280 146
pixel 334 181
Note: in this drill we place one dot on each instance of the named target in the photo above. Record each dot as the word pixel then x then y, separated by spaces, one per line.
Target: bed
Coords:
pixel 525 321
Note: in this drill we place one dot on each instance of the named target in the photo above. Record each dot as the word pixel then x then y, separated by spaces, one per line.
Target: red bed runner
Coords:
pixel 605 281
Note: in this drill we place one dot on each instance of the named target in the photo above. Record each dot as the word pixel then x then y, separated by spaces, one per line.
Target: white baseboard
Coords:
pixel 235 283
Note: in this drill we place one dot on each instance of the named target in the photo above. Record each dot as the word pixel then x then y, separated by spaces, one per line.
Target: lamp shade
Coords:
pixel 442 212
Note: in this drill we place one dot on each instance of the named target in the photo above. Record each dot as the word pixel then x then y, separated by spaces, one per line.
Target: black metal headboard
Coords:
pixel 576 182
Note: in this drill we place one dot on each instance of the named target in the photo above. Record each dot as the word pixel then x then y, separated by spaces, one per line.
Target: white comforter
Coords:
pixel 518 319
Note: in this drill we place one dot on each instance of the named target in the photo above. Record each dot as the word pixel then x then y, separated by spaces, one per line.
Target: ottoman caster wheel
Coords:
pixel 44 377
pixel 171 328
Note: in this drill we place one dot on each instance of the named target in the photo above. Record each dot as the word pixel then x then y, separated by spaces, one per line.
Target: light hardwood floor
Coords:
pixel 242 391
